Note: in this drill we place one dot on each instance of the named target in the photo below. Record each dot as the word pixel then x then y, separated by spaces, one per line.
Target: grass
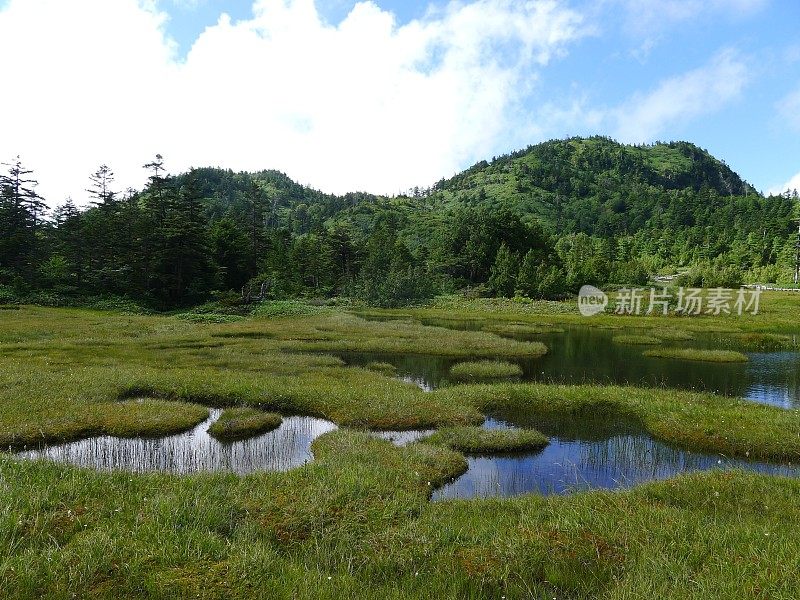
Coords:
pixel 348 333
pixel 484 370
pixel 477 440
pixel 637 340
pixel 382 367
pixel 777 317
pixel 700 422
pixel 522 329
pixel 718 356
pixel 357 521
pixel 242 423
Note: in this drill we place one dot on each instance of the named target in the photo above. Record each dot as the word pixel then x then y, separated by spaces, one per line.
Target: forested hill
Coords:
pixel 538 222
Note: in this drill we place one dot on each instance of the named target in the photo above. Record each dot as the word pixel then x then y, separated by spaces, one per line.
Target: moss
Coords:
pixel 718 356
pixel 242 423
pixel 484 370
pixel 638 340
pixel 477 440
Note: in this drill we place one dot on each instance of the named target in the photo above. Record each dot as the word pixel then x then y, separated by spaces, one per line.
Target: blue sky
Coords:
pixel 385 95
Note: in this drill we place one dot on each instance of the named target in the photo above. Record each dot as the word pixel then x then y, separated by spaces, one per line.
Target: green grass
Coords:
pixel 357 521
pixel 348 333
pixel 484 370
pixel 700 422
pixel 677 335
pixel 241 423
pixel 477 440
pixel 382 367
pixel 522 329
pixel 637 340
pixel 719 356
pixel 777 316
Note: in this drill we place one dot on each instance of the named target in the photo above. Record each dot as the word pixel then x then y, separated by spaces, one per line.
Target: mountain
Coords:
pixel 540 222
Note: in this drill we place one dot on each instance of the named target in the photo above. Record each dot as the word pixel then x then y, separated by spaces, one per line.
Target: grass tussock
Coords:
pixel 700 422
pixel 242 423
pixel 382 367
pixel 477 440
pixel 522 329
pixel 717 356
pixel 484 370
pixel 347 333
pixel 356 522
pixel 636 340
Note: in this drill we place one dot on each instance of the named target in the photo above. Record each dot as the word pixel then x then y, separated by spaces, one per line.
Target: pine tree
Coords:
pixel 100 188
pixel 21 216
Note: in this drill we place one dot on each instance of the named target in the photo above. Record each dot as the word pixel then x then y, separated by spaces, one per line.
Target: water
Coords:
pixel 586 455
pixel 588 355
pixel 194 451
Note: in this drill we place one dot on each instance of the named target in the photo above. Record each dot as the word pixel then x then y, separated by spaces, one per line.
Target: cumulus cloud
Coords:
pixel 366 104
pixel 791 185
pixel 682 98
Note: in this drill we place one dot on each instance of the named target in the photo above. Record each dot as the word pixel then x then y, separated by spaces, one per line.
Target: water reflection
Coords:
pixel 580 457
pixel 403 438
pixel 588 355
pixel 282 449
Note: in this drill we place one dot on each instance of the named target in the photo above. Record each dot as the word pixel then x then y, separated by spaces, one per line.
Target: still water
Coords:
pixel 588 355
pixel 194 451
pixel 585 455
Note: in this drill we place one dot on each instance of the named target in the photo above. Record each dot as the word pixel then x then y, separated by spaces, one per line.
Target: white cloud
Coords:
pixel 789 109
pixel 682 98
pixel 648 17
pixel 792 184
pixel 363 105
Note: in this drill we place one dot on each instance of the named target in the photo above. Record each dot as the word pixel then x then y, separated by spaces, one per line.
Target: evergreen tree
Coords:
pixel 504 272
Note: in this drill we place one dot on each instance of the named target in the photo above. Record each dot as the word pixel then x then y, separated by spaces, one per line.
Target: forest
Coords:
pixel 537 223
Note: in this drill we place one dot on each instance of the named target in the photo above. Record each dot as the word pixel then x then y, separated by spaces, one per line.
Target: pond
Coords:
pixel 585 454
pixel 194 451
pixel 588 355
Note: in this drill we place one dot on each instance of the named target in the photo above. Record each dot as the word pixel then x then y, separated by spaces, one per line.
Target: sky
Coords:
pixel 384 95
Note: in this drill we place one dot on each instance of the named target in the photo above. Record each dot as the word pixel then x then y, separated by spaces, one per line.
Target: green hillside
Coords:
pixel 539 222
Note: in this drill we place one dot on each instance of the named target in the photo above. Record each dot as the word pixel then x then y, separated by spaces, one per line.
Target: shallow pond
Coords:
pixel 194 451
pixel 588 355
pixel 588 454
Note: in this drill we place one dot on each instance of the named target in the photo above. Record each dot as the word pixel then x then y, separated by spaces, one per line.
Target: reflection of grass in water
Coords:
pixel 703 422
pixel 477 440
pixel 241 423
pixel 718 356
pixel 637 340
pixel 382 367
pixel 484 370
pixel 356 522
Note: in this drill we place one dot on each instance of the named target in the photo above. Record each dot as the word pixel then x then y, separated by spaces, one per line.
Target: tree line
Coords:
pixel 211 232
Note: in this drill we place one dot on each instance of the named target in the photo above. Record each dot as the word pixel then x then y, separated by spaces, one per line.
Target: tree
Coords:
pixel 21 217
pixel 503 277
pixel 183 264
pixel 100 188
